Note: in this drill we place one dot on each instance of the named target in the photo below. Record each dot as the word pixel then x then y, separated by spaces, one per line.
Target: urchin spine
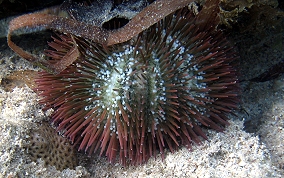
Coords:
pixel 151 92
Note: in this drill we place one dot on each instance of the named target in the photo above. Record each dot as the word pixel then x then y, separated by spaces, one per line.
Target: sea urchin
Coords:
pixel 147 94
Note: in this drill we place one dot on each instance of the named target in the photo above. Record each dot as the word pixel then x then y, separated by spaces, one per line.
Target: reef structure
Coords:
pixel 136 95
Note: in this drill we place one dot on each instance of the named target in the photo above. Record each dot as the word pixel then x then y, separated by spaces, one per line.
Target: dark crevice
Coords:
pixel 115 23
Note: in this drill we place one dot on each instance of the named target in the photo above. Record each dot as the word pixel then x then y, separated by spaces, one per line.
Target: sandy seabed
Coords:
pixel 252 146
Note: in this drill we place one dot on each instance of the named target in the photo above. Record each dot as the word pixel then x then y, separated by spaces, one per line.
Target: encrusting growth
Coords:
pixel 46 144
pixel 152 92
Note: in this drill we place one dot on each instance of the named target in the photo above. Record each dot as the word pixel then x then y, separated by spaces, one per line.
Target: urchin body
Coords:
pixel 147 94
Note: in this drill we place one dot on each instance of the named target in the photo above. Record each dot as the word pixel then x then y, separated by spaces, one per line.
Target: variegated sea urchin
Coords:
pixel 152 92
